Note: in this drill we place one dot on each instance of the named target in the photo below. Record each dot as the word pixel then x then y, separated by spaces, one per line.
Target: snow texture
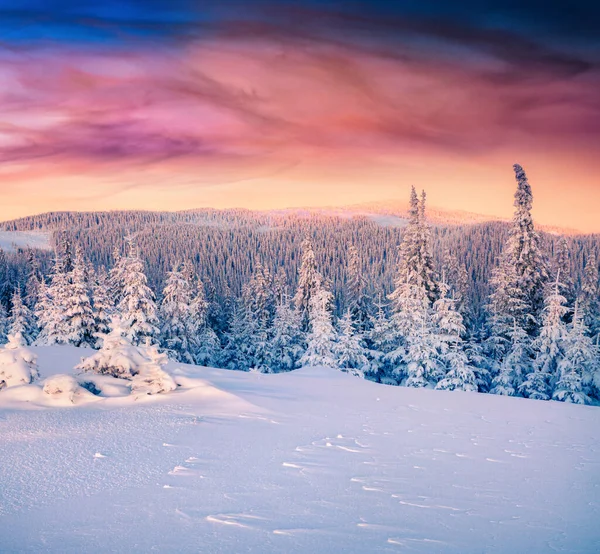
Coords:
pixel 312 460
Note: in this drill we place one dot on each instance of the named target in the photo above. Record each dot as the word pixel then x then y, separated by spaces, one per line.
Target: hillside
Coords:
pixel 309 461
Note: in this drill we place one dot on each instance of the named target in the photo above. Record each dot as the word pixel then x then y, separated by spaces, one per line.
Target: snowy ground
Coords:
pixel 10 240
pixel 309 461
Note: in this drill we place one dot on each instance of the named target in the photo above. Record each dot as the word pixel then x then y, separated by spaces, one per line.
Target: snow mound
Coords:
pixel 18 365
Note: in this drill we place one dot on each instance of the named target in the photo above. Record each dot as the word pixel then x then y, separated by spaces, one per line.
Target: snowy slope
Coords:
pixel 11 240
pixel 310 461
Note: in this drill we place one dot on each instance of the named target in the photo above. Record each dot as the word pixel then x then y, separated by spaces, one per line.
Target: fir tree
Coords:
pixel 350 349
pixel 515 365
pixel 519 282
pixel 356 285
pixel 3 324
pixel 309 282
pixel 285 345
pixel 562 267
pixel 117 357
pixel 590 295
pixel 21 319
pixel 578 365
pixel 235 353
pixel 380 342
pixel 548 347
pixel 78 323
pixel 320 349
pixel 416 259
pixel 103 307
pixel 51 306
pixel 137 307
pixel 175 317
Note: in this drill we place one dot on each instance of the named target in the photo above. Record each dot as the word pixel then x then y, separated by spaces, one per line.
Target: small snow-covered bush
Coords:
pixel 151 378
pixel 61 385
pixel 117 357
pixel 18 364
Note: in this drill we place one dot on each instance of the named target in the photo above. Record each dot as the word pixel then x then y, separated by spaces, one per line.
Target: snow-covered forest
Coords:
pixel 496 308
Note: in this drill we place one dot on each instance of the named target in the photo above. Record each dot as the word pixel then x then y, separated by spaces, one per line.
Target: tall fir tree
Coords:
pixel 356 291
pixel 590 295
pixel 78 324
pixel 562 267
pixel 286 339
pixel 380 342
pixel 51 305
pixel 309 282
pixel 137 307
pixel 416 259
pixel 518 283
pixel 21 319
pixel 350 349
pixel 103 307
pixel 578 365
pixel 516 364
pixel 175 316
pixel 548 348
pixel 320 341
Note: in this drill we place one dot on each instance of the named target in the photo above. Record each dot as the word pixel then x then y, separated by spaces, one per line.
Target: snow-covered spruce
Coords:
pixel 320 349
pixel 18 364
pixel 118 357
pixel 151 378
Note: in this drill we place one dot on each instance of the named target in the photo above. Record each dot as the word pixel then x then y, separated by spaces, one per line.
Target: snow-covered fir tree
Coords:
pixel 417 362
pixel 380 342
pixel 356 291
pixel 204 341
pixel 416 258
pixel 52 302
pixel 236 353
pixel 320 341
pixel 258 307
pixel 18 364
pixel 3 324
pixel 517 363
pixel 548 347
pixel 590 295
pixel 519 281
pixel 175 313
pixel 151 378
pixel 458 283
pixel 137 307
pixel 117 357
pixel 21 321
pixel 350 349
pixel 34 278
pixel 286 339
pixel 562 267
pixel 103 307
pixel 309 282
pixel 579 365
pixel 78 323
pixel 448 331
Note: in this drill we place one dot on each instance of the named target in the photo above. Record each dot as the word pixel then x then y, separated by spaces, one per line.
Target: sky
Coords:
pixel 178 104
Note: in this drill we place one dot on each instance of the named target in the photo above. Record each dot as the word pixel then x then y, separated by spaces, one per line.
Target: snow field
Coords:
pixel 313 460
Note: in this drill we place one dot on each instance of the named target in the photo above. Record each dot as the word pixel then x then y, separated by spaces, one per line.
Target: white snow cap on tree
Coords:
pixel 151 378
pixel 117 357
pixel 18 364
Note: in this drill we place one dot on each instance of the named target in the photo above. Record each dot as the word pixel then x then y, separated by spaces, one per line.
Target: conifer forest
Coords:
pixel 499 308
